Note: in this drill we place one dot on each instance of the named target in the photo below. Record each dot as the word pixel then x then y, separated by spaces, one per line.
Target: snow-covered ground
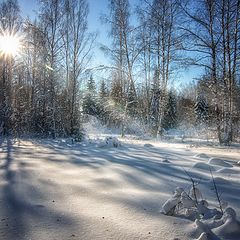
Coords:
pixel 102 189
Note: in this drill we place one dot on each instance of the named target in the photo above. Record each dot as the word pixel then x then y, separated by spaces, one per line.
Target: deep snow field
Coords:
pixel 109 189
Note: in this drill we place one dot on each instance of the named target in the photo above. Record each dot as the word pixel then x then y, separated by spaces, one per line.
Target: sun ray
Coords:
pixel 10 44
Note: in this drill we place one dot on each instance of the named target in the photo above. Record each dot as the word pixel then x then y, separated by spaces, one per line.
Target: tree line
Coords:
pixel 42 91
pixel 40 87
pixel 170 35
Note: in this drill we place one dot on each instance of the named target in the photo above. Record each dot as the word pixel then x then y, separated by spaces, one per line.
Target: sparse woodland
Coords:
pixel 48 88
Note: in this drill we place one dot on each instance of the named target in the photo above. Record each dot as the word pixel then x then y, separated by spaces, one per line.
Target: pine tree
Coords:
pixel 103 90
pixel 117 89
pixel 169 120
pixel 132 101
pixel 103 94
pixel 201 110
pixel 91 86
pixel 90 105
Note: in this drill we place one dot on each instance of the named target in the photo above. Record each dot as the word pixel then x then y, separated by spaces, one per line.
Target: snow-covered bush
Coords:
pixel 171 205
pixel 112 142
pixel 185 203
pixel 210 223
pixel 230 226
pixel 107 142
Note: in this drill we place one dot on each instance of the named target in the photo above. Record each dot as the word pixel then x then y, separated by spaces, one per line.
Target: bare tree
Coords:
pixel 214 35
pixel 124 54
pixel 161 18
pixel 51 16
pixel 78 44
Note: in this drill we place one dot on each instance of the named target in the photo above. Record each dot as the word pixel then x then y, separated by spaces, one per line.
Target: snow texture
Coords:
pixel 201 155
pixel 203 166
pixel 228 171
pixel 220 162
pixel 60 189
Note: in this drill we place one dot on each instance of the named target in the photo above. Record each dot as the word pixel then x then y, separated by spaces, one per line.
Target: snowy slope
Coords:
pixel 59 190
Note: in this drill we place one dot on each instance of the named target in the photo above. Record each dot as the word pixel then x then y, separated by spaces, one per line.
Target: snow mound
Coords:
pixel 219 162
pixel 201 155
pixel 203 166
pixel 228 171
pixel 203 229
pixel 230 229
pixel 148 145
pixel 209 223
pixel 110 142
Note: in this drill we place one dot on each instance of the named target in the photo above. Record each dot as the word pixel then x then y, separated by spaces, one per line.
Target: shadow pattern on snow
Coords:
pixel 143 169
pixel 133 166
pixel 18 210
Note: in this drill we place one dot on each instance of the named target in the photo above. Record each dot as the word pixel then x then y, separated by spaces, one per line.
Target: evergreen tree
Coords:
pixel 90 105
pixel 132 101
pixel 103 94
pixel 201 109
pixel 103 90
pixel 91 86
pixel 117 89
pixel 169 120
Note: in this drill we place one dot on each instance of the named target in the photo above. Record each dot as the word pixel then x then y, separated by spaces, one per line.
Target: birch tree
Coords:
pixel 214 35
pixel 161 18
pixel 51 16
pixel 123 53
pixel 78 43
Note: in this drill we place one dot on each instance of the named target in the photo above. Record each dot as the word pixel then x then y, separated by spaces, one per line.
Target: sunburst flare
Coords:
pixel 9 45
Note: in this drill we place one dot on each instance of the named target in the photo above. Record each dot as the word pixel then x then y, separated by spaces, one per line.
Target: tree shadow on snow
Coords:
pixel 133 167
pixel 22 211
pixel 142 169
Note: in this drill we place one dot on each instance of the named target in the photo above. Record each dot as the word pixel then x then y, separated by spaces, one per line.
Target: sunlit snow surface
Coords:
pixel 57 189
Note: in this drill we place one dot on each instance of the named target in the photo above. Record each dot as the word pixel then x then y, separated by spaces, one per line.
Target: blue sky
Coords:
pixel 96 8
pixel 28 7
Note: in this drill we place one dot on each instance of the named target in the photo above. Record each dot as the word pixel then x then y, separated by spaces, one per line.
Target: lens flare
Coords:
pixel 9 45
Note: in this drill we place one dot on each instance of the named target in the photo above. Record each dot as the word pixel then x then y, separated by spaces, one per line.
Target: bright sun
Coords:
pixel 9 45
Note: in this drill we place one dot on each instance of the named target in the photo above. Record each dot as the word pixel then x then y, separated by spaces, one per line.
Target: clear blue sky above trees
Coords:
pixel 96 9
